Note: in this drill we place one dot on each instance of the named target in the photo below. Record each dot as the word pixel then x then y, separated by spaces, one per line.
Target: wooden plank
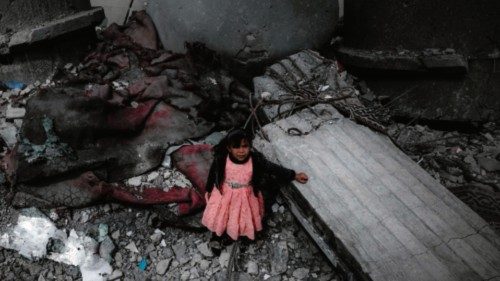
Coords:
pixel 457 226
pixel 417 173
pixel 393 224
pixel 376 225
pixel 396 226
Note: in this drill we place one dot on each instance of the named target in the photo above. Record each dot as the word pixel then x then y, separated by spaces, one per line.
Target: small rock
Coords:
pixel 132 247
pixel 179 250
pixel 118 257
pixel 279 258
pixel 224 259
pixel 300 273
pixel 106 248
pixel 489 164
pixel 14 112
pixel 265 95
pixel 163 243
pixel 156 237
pixel 275 207
pixel 115 275
pixel 135 181
pixel 150 248
pixel 489 137
pixel 185 275
pixel 204 264
pixel 194 273
pixel 162 266
pixel 205 249
pixel 8 132
pixel 115 235
pixel 152 176
pixel 252 268
pixel 106 208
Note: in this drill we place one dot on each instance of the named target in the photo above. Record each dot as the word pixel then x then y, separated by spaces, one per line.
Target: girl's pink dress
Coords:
pixel 237 210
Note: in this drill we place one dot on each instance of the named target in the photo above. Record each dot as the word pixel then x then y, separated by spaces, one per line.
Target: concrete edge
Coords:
pixel 49 30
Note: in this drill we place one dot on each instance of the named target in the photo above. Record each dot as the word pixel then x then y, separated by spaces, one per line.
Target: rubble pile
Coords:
pixel 282 252
pixel 130 124
pixel 468 164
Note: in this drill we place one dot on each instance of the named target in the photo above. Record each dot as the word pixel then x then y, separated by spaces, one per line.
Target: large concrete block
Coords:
pixel 248 30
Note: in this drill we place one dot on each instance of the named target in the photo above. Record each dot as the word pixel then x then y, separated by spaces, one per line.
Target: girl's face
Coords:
pixel 240 152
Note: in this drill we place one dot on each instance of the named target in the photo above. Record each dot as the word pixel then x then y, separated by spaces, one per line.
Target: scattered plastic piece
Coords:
pixel 143 264
pixel 15 85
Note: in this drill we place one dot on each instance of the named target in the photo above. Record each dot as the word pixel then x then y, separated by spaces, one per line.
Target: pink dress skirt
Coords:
pixel 236 210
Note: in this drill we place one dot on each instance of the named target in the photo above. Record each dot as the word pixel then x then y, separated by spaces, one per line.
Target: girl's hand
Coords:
pixel 301 177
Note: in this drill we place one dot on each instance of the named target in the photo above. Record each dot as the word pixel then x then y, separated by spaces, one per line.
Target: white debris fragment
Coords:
pixel 85 216
pixel 323 88
pixel 152 176
pixel 8 132
pixel 14 112
pixel 31 236
pixel 132 247
pixel 135 181
pixel 157 231
pixel 212 80
pixel 265 95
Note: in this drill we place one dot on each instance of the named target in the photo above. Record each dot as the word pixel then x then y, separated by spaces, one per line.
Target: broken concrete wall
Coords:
pixel 38 36
pixel 250 31
pixel 471 28
pixel 118 11
pixel 19 14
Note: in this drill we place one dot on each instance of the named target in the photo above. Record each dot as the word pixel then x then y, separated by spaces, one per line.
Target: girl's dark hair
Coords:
pixel 233 139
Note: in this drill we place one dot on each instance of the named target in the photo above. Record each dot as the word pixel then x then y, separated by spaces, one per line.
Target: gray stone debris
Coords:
pixel 224 259
pixel 117 274
pixel 301 273
pixel 205 249
pixel 14 112
pixel 252 268
pixel 132 247
pixel 8 132
pixel 279 257
pixel 489 164
pixel 162 266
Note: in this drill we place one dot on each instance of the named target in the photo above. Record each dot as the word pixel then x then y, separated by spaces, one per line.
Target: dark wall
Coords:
pixel 472 28
pixel 18 14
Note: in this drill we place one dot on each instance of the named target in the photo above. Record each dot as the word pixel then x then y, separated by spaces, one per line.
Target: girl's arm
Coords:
pixel 282 173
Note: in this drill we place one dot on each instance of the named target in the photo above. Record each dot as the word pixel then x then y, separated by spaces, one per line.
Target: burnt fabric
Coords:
pixel 88 189
pixel 194 162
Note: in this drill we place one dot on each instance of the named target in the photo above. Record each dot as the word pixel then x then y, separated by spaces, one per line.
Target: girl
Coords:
pixel 239 175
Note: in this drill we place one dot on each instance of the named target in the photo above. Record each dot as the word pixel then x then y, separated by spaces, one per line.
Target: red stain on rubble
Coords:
pixel 189 200
pixel 194 162
pixel 160 116
pixel 129 118
pixel 121 60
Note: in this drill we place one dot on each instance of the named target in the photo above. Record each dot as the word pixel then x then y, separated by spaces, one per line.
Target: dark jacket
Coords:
pixel 265 177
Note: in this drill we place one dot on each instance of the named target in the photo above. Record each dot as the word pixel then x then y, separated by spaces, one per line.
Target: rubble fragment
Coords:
pixel 32 234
